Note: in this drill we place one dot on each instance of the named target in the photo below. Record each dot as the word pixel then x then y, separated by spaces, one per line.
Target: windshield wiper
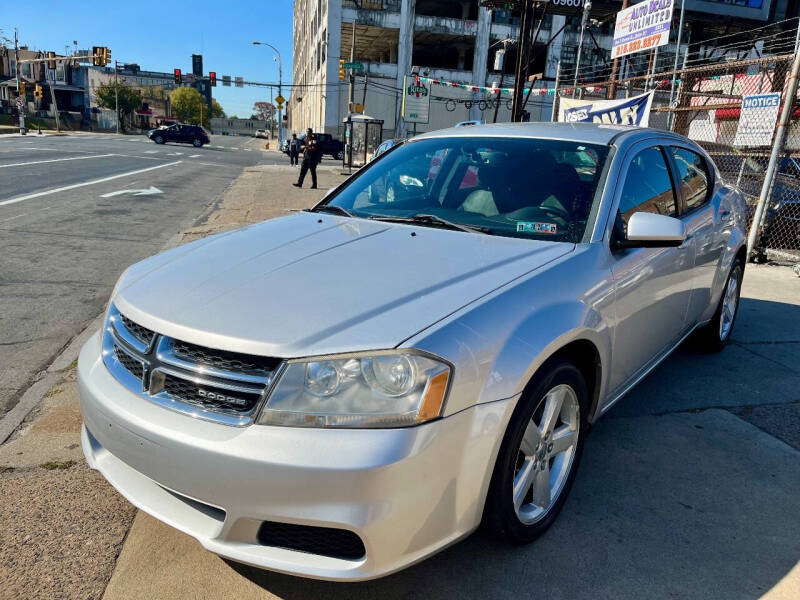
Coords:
pixel 426 219
pixel 332 208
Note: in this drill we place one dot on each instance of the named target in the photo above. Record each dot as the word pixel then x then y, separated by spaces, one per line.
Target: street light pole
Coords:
pixel 280 81
pixel 116 94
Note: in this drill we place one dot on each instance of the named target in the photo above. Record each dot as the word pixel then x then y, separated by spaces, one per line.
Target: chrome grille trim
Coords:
pixel 234 397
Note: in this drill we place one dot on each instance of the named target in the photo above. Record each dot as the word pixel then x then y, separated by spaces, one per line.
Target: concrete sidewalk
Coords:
pixel 676 497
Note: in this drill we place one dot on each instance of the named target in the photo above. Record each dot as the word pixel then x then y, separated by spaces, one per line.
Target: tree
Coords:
pixel 263 111
pixel 188 104
pixel 216 109
pixel 129 99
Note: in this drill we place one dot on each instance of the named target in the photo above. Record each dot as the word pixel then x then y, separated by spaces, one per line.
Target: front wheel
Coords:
pixel 158 139
pixel 340 155
pixel 715 335
pixel 539 457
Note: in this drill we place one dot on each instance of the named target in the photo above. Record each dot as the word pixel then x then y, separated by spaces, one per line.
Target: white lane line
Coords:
pixel 28 213
pixel 151 151
pixel 77 185
pixel 52 160
pixel 195 155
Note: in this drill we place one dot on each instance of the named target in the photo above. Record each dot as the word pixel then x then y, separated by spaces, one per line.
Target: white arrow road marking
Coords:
pixel 92 182
pixel 52 160
pixel 151 151
pixel 146 192
pixel 174 153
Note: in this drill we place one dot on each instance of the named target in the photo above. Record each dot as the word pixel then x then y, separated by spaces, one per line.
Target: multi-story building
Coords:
pixel 456 41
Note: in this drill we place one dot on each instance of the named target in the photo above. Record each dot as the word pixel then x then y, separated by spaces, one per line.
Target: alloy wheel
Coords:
pixel 546 454
pixel 729 302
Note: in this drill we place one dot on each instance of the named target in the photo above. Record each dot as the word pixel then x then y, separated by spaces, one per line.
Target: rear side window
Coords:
pixel 648 187
pixel 693 176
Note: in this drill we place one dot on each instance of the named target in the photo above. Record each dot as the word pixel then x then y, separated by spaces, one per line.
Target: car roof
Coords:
pixel 590 133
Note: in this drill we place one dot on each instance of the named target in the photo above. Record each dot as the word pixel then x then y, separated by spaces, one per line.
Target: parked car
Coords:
pixel 180 133
pixel 261 133
pixel 342 392
pixel 328 145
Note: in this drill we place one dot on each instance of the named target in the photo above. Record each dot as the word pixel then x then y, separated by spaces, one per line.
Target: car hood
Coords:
pixel 312 283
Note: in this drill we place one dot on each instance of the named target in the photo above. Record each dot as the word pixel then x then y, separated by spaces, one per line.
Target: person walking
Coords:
pixel 310 159
pixel 294 150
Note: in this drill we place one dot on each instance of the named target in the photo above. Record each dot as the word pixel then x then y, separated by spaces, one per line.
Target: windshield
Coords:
pixel 518 187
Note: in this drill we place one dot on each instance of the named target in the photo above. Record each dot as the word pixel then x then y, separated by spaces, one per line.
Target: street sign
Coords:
pixel 280 99
pixel 226 80
pixel 355 66
pixel 643 26
pixel 757 119
pixel 416 100
pixel 239 81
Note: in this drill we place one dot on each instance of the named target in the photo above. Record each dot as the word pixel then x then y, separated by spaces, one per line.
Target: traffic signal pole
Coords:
pixel 21 110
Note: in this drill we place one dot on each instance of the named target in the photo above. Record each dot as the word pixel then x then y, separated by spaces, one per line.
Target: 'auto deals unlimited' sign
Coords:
pixel 416 100
pixel 643 26
pixel 627 111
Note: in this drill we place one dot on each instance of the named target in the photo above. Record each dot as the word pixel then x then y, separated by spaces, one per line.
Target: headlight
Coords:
pixel 371 391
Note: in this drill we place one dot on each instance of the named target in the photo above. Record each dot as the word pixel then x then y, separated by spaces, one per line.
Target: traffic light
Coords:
pixel 97 56
pixel 37 92
pixel 212 78
pixel 51 63
pixel 106 56
pixel 22 88
pixel 341 69
pixel 178 78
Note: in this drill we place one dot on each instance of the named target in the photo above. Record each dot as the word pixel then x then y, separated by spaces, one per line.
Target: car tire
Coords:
pixel 158 139
pixel 197 143
pixel 340 155
pixel 530 453
pixel 714 336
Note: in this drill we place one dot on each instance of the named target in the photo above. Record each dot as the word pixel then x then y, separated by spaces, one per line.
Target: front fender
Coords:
pixel 498 344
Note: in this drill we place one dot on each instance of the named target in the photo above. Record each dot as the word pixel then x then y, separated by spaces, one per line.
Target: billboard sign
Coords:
pixel 757 120
pixel 416 100
pixel 627 111
pixel 643 26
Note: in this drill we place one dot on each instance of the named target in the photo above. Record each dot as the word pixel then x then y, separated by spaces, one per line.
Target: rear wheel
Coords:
pixel 715 335
pixel 539 456
pixel 197 142
pixel 340 155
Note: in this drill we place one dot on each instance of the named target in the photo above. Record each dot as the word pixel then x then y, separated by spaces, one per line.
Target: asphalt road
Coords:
pixel 73 216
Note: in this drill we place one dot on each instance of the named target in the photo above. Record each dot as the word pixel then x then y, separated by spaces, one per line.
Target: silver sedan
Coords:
pixel 344 391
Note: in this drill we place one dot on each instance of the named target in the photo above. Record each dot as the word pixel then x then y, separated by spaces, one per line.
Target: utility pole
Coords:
pixel 612 89
pixel 53 99
pixel 587 7
pixel 519 84
pixel 116 94
pixel 364 95
pixel 352 77
pixel 21 109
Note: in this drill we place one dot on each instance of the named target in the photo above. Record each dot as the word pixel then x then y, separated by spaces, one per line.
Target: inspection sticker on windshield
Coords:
pixel 536 227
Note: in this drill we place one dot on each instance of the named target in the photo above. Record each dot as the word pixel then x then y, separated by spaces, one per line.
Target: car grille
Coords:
pixel 324 541
pixel 215 385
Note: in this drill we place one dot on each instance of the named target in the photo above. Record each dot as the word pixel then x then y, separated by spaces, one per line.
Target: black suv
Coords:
pixel 184 134
pixel 327 144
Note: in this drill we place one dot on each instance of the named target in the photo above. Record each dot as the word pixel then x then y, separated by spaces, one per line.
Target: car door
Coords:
pixel 704 223
pixel 652 286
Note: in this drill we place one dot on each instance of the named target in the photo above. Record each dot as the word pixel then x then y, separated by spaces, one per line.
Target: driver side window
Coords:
pixel 648 186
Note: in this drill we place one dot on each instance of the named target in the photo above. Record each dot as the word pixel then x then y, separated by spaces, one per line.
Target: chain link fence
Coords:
pixel 704 101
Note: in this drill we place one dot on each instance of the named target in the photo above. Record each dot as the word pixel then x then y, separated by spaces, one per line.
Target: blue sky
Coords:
pixel 161 36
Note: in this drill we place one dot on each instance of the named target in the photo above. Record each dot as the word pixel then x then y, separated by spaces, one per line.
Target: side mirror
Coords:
pixel 649 230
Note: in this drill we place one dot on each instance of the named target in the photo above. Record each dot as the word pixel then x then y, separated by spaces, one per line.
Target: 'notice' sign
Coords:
pixel 643 26
pixel 757 120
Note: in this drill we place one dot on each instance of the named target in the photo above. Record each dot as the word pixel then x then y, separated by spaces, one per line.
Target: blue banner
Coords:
pixel 626 111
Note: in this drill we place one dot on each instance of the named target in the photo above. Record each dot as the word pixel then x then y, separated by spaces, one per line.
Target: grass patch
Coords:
pixel 6 469
pixel 52 465
pixel 73 364
pixel 52 392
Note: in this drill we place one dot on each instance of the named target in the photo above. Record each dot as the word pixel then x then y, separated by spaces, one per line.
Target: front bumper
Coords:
pixel 406 493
